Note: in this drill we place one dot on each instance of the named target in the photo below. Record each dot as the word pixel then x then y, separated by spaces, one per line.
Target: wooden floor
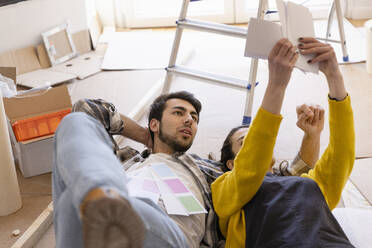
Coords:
pixel 36 194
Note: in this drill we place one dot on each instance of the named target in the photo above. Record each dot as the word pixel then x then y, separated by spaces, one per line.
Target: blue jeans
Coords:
pixel 83 160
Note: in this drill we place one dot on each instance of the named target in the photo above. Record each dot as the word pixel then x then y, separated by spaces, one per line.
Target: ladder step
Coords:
pixel 211 27
pixel 221 80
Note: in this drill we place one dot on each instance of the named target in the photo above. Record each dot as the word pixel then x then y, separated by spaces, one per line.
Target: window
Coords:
pixel 150 13
pixel 245 9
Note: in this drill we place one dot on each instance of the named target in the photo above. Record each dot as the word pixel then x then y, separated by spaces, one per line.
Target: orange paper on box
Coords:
pixel 38 126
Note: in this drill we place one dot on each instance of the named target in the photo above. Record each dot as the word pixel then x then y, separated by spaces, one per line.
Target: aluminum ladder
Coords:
pixel 239 32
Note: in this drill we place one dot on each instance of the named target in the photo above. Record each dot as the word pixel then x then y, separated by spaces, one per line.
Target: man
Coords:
pixel 258 209
pixel 92 205
pixel 91 201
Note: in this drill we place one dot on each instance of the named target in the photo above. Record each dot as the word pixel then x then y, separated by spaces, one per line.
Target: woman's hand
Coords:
pixel 324 54
pixel 282 59
pixel 326 57
pixel 310 119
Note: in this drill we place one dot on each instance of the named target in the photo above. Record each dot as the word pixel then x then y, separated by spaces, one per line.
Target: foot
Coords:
pixel 109 221
pixel 102 111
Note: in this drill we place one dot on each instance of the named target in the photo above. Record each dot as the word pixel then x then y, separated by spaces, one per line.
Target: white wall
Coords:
pixel 359 9
pixel 21 24
pixel 111 12
pixel 106 12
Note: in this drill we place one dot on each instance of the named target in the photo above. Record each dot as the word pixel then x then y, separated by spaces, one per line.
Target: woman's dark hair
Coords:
pixel 157 107
pixel 226 150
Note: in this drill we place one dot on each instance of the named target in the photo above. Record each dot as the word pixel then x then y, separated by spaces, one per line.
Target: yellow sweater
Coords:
pixel 234 189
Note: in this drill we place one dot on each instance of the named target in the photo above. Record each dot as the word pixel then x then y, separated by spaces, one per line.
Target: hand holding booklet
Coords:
pixel 296 21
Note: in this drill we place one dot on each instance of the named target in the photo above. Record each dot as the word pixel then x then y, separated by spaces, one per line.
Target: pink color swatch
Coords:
pixel 176 185
pixel 150 185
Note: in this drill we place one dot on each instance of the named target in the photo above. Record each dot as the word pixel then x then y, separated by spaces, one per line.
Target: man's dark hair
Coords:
pixel 157 107
pixel 226 150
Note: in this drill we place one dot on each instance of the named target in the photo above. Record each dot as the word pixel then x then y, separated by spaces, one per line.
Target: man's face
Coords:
pixel 178 125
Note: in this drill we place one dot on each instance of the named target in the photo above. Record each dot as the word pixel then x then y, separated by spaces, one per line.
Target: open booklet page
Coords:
pixel 296 21
pixel 261 38
pixel 300 24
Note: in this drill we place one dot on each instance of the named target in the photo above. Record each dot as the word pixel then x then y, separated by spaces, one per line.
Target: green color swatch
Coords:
pixel 190 203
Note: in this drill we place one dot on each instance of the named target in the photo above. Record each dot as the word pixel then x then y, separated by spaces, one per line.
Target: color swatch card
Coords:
pixel 171 203
pixel 142 184
pixel 163 170
pixel 142 172
pixel 178 199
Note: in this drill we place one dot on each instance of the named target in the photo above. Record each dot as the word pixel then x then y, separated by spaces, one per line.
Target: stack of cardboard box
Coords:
pixel 34 156
pixel 34 68
pixel 30 67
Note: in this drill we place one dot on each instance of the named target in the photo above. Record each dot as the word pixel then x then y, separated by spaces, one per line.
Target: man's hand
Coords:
pixel 326 57
pixel 310 119
pixel 282 59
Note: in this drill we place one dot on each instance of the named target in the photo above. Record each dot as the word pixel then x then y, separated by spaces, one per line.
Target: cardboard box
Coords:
pixel 43 77
pixel 24 59
pixel 85 65
pixel 35 156
pixel 29 72
pixel 34 68
pixel 82 43
pixel 9 72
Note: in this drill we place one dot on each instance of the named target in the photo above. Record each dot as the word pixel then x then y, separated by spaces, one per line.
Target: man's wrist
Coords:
pixel 144 136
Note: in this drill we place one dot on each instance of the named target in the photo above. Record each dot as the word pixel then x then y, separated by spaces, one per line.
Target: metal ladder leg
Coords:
pixel 247 118
pixel 336 7
pixel 175 48
pixel 330 21
pixel 341 29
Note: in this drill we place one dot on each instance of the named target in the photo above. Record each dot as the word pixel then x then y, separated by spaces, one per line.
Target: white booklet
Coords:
pixel 296 21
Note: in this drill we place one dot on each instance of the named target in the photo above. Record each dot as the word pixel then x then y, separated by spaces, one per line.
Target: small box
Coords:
pixel 38 126
pixel 35 156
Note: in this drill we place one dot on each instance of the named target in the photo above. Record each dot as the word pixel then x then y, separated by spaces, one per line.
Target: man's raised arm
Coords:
pixel 136 132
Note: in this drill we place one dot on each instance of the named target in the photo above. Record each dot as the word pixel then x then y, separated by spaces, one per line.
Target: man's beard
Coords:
pixel 172 142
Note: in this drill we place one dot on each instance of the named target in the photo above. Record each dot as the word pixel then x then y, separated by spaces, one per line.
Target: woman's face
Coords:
pixel 236 143
pixel 237 140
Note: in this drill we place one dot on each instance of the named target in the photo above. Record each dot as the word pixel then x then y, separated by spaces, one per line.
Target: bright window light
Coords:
pixel 253 5
pixel 171 8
